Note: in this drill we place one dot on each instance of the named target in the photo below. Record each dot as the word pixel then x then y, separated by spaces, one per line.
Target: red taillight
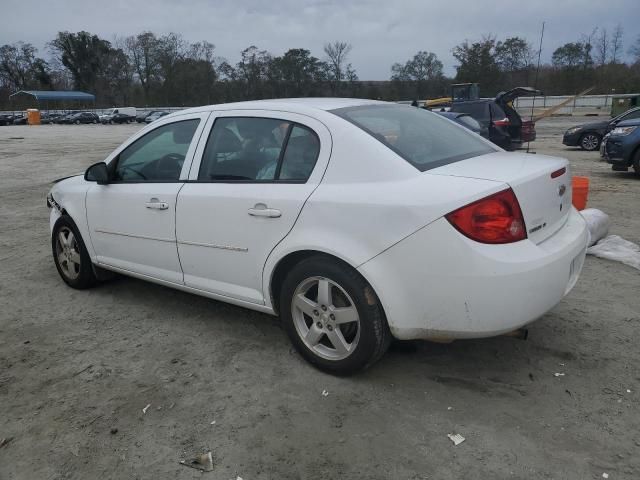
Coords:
pixel 494 219
pixel 558 173
pixel 502 123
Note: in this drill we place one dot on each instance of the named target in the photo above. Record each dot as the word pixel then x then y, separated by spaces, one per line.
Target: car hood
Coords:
pixel 57 180
pixel 592 126
pixel 629 123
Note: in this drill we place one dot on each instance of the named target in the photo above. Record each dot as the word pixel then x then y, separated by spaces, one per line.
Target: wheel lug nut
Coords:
pixel 332 316
pixel 329 327
pixel 315 312
pixel 319 324
pixel 324 308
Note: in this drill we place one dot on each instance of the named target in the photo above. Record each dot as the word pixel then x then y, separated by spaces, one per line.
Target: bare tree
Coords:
pixel 616 43
pixel 602 48
pixel 142 50
pixel 337 53
pixel 634 50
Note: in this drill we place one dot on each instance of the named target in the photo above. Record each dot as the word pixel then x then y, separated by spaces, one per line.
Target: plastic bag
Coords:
pixel 617 248
pixel 598 223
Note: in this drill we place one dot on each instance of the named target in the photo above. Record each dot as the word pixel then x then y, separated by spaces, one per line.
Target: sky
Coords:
pixel 381 32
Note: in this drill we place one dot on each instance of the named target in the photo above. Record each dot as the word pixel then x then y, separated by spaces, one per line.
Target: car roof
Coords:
pixel 301 105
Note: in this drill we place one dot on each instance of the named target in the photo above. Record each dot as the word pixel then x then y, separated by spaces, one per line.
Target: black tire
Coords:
pixel 86 276
pixel 374 335
pixel 636 163
pixel 590 141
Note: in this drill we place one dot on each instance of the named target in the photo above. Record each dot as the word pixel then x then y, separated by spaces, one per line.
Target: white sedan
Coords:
pixel 356 221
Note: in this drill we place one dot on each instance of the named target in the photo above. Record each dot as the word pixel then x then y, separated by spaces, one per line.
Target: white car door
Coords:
pixel 132 218
pixel 246 188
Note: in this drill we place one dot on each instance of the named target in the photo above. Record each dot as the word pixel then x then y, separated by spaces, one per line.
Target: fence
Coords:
pixel 586 105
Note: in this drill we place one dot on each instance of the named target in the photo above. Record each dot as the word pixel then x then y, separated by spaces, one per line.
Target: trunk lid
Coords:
pixel 510 95
pixel 545 201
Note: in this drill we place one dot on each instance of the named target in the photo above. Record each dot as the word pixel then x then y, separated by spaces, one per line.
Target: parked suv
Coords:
pixel 589 135
pixel 505 126
pixel 621 147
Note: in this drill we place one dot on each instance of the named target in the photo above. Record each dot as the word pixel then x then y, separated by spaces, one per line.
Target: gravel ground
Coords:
pixel 77 365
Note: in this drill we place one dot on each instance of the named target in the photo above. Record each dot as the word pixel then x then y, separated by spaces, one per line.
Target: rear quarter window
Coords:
pixel 424 139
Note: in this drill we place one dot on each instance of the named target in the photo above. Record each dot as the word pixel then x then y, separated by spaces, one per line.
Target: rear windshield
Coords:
pixel 422 138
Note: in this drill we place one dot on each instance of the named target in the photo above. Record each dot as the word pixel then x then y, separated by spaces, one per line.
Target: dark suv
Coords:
pixel 589 135
pixel 497 115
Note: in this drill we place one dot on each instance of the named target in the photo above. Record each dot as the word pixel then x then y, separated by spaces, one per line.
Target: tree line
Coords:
pixel 166 70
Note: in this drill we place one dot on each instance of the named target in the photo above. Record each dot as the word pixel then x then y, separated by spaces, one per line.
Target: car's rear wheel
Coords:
pixel 590 141
pixel 333 316
pixel 70 255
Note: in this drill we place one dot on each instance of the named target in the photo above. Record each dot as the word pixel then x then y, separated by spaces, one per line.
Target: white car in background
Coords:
pixel 356 221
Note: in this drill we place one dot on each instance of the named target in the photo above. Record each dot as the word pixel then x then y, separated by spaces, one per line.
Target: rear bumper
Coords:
pixel 438 284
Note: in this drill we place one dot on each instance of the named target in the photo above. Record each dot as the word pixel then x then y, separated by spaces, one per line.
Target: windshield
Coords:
pixel 422 138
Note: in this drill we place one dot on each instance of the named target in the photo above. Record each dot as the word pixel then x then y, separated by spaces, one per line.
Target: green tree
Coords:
pixel 513 54
pixel 423 66
pixel 573 54
pixel 478 64
pixel 85 56
pixel 296 72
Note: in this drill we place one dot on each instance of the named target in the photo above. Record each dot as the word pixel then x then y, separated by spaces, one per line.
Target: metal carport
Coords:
pixel 56 96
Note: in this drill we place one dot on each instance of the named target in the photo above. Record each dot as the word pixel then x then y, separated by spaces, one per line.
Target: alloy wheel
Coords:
pixel 68 253
pixel 590 142
pixel 325 318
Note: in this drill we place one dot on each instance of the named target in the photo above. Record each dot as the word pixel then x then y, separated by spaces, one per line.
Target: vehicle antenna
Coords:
pixel 535 83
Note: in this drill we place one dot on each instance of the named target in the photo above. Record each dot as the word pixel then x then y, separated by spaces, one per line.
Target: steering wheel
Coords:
pixel 138 173
pixel 169 166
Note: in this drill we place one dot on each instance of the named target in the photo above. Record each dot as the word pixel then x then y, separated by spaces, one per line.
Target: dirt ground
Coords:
pixel 75 365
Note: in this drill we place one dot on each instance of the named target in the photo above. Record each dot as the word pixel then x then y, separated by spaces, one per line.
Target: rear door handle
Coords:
pixel 156 204
pixel 261 210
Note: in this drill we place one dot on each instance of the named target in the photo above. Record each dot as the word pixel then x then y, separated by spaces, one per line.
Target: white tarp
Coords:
pixel 597 222
pixel 617 248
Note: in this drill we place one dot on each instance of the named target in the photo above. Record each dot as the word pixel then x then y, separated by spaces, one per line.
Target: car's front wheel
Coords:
pixel 590 141
pixel 70 255
pixel 636 163
pixel 333 316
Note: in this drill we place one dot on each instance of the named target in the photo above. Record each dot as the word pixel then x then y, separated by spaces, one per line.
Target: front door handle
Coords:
pixel 261 210
pixel 156 204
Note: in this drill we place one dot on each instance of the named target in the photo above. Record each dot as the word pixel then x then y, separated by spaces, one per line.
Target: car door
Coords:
pixel 132 218
pixel 247 187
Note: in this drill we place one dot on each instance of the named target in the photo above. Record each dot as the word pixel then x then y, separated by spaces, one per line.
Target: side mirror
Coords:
pixel 98 172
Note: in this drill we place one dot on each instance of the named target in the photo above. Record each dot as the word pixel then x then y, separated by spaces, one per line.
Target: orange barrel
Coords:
pixel 580 187
pixel 33 116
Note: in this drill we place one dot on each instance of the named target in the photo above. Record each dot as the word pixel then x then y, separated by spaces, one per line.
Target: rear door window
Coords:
pixel 245 149
pixel 424 139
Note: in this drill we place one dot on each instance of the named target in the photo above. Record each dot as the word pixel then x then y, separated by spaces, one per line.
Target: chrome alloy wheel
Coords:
pixel 325 318
pixel 68 253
